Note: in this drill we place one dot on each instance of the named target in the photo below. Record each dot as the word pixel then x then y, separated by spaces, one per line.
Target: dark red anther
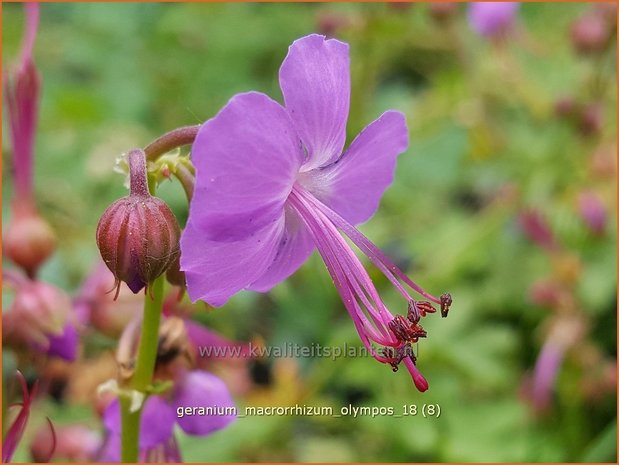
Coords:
pixel 416 331
pixel 399 326
pixel 405 330
pixel 425 307
pixel 414 313
pixel 446 302
pixel 396 355
pixel 417 309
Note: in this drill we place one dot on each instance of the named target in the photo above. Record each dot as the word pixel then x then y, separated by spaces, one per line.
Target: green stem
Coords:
pixel 130 439
pixel 144 368
pixel 147 350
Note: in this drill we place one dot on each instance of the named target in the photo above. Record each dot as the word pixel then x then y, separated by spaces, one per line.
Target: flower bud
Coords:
pixel 591 119
pixel 331 23
pixel 590 33
pixel 38 314
pixel 138 235
pixel 29 241
pixel 492 19
pixel 565 107
pixel 593 212
pixel 442 12
pixel 536 228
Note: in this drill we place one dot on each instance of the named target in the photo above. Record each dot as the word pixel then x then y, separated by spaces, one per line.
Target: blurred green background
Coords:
pixel 486 145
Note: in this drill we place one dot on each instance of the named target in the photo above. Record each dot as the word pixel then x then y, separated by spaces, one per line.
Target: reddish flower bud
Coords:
pixel 593 212
pixel 330 23
pixel 591 119
pixel 565 107
pixel 400 6
pixel 138 235
pixel 29 240
pixel 591 33
pixel 536 228
pixel 38 313
pixel 442 12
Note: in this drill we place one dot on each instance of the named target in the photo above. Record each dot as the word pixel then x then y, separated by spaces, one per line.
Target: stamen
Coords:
pixel 376 256
pixel 344 272
pixel 419 308
pixel 358 293
pixel 446 302
pixel 406 331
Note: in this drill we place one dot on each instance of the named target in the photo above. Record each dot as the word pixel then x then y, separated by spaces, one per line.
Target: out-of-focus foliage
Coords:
pixel 488 144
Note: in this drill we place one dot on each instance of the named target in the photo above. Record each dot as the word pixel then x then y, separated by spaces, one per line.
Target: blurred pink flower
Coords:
pixel 28 240
pixel 40 318
pixel 593 212
pixel 492 19
pixel 21 90
pixel 536 228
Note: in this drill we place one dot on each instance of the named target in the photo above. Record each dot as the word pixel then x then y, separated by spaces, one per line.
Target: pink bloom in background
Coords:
pixel 593 212
pixel 28 240
pixel 40 318
pixel 545 374
pixel 195 388
pixel 565 333
pixel 22 86
pixel 537 229
pixel 272 184
pixel 492 19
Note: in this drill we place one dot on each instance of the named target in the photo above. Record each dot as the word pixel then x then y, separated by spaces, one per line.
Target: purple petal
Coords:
pixel 110 452
pixel 492 18
pixel 156 423
pixel 315 81
pixel 202 389
pixel 295 247
pixel 546 369
pixel 592 211
pixel 216 270
pixel 247 159
pixel 222 347
pixel 354 184
pixel 65 345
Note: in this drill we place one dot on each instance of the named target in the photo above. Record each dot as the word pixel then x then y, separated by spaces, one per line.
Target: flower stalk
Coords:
pixel 171 140
pixel 130 439
pixel 144 368
pixel 146 356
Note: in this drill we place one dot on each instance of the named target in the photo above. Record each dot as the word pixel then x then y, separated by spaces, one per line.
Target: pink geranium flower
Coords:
pixel 272 184
pixel 492 19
